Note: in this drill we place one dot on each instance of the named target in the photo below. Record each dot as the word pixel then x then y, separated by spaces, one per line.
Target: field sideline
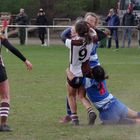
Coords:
pixel 38 97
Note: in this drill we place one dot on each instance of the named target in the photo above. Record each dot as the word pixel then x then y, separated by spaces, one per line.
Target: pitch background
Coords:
pixel 38 97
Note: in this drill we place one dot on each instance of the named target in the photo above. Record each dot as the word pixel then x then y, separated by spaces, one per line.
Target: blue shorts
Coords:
pixel 115 113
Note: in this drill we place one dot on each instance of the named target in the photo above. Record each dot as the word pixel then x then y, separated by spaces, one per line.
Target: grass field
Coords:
pixel 38 97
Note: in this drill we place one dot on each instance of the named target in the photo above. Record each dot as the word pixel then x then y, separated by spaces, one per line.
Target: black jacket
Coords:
pixel 41 20
pixel 22 19
pixel 128 19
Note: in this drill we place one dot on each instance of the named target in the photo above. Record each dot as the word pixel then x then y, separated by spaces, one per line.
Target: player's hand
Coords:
pixel 92 32
pixel 28 65
pixel 69 74
pixel 2 36
pixel 73 32
pixel 107 32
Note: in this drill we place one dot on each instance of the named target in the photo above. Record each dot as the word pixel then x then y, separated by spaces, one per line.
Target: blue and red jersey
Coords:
pixel 97 92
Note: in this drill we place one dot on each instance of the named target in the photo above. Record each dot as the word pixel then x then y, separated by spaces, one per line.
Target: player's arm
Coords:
pixel 66 38
pixel 66 34
pixel 86 70
pixel 101 35
pixel 16 52
pixel 2 31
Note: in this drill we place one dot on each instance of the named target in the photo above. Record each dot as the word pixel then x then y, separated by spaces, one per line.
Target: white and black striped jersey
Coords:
pixel 78 55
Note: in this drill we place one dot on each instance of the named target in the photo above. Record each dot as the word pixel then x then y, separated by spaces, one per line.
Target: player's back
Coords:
pixel 99 96
pixel 78 54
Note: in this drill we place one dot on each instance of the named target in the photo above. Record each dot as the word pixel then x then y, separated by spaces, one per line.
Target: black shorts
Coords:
pixel 3 75
pixel 76 82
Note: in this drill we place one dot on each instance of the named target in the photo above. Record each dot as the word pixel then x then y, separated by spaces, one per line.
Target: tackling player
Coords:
pixel 111 110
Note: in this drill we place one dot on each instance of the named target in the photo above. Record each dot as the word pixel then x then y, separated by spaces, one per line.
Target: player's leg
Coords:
pixel 91 114
pixel 5 99
pixel 133 114
pixel 72 103
pixel 128 116
pixel 68 107
pixel 4 105
pixel 115 112
pixel 67 117
pixel 132 117
pixel 72 88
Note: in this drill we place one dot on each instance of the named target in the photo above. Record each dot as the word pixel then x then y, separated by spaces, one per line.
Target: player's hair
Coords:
pixel 93 15
pixel 82 29
pixel 99 73
pixel 78 19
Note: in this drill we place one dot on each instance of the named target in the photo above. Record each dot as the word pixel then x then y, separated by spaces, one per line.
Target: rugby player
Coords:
pixel 79 52
pixel 92 19
pixel 4 83
pixel 111 110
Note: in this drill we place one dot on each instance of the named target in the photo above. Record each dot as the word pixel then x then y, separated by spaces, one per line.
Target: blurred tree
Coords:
pixel 13 6
pixel 70 8
pixel 48 6
pixel 96 5
pixel 74 8
pixel 57 8
pixel 8 6
pixel 105 5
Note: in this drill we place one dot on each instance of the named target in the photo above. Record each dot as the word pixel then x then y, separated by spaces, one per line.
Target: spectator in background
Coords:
pixel 41 20
pixel 138 28
pixel 128 20
pixel 130 5
pixel 113 20
pixel 22 19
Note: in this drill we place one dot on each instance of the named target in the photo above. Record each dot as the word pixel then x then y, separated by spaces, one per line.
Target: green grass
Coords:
pixel 38 97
